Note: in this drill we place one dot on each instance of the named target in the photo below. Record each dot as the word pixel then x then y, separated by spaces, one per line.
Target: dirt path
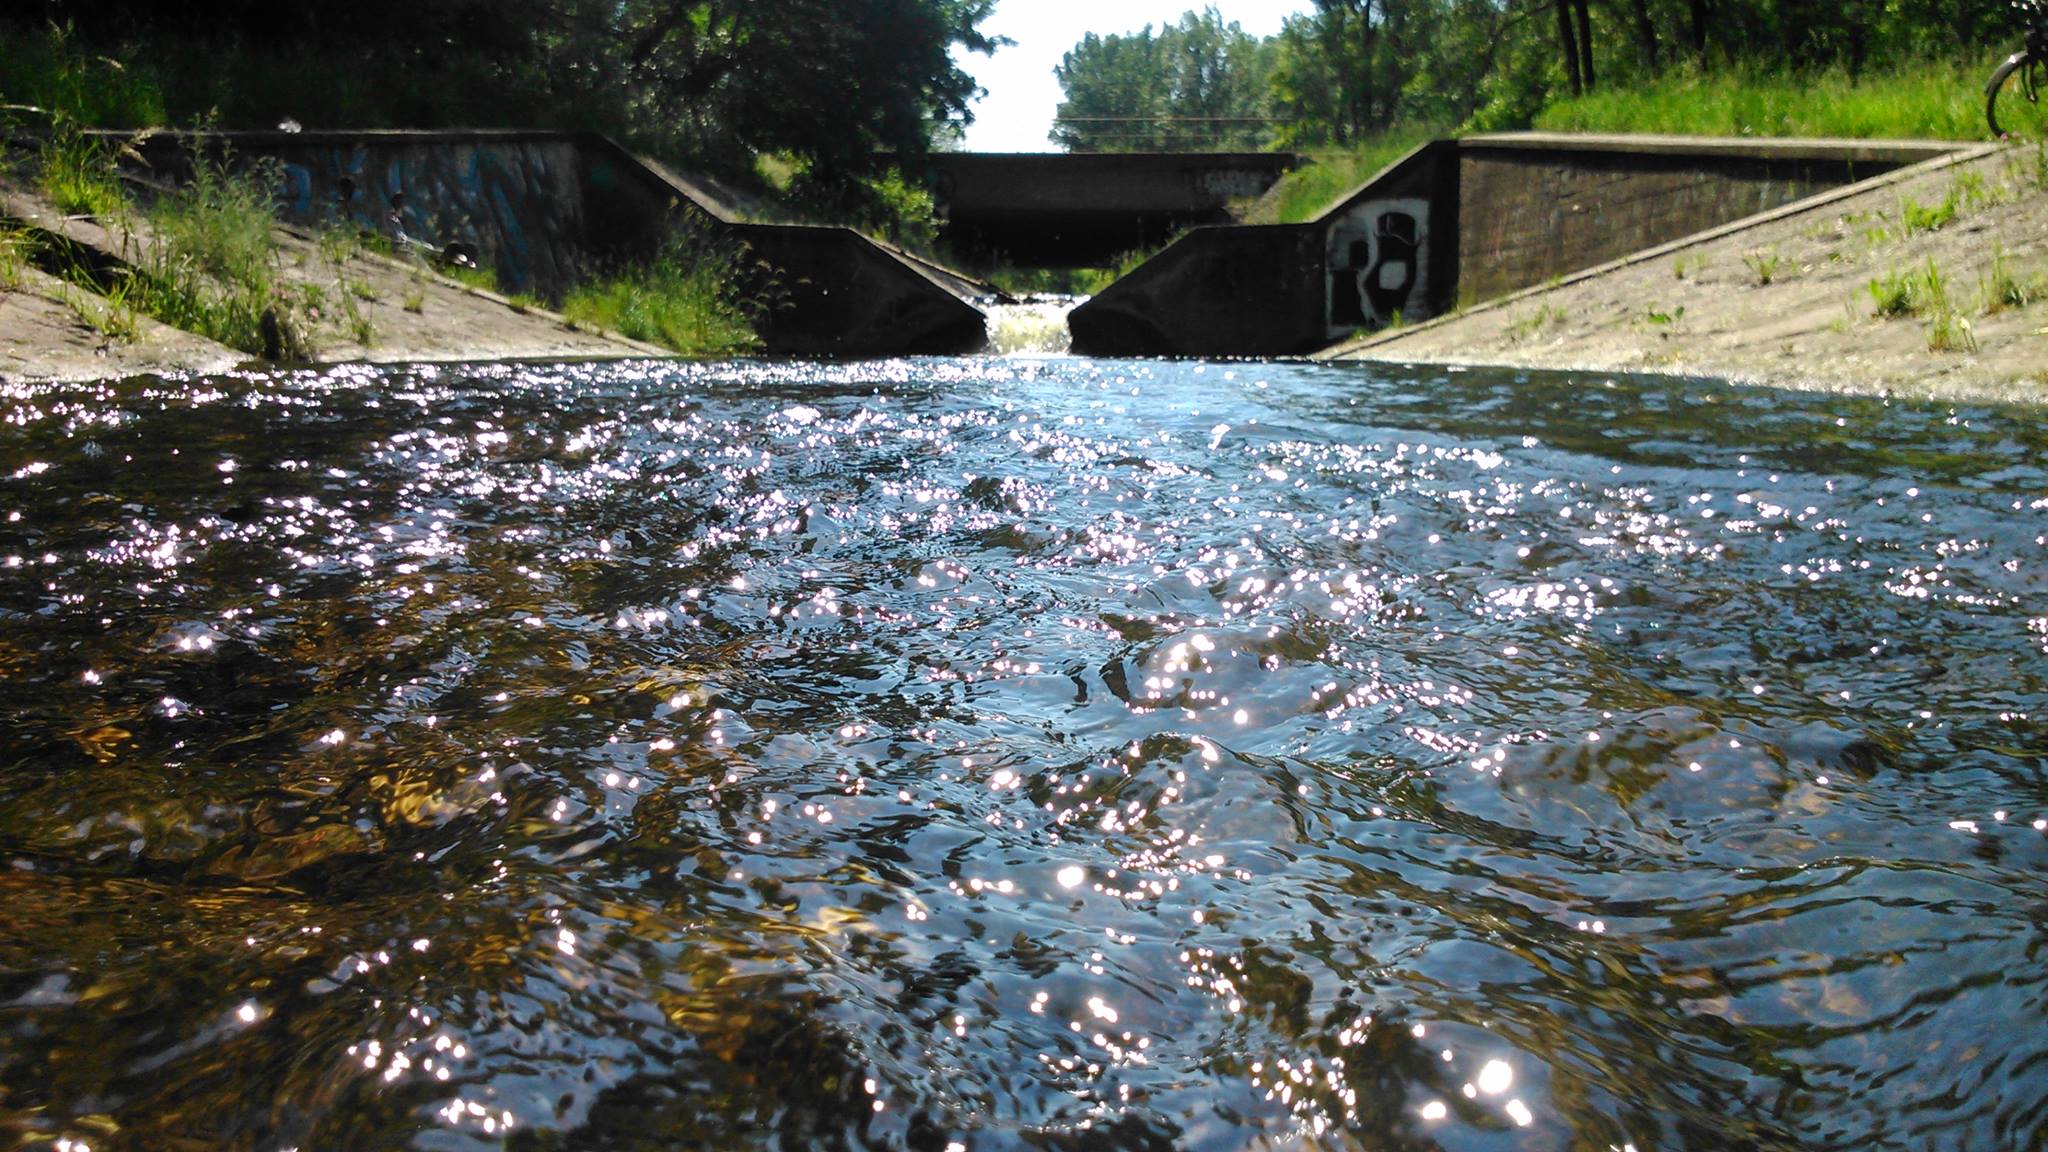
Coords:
pixel 375 309
pixel 1789 302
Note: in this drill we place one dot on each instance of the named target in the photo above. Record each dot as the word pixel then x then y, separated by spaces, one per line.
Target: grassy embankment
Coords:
pixel 213 266
pixel 1932 99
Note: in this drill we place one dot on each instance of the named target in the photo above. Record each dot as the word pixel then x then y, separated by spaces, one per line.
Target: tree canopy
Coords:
pixel 833 82
pixel 1200 83
pixel 1347 69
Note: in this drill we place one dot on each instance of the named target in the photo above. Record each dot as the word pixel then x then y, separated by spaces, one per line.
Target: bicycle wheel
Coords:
pixel 2013 101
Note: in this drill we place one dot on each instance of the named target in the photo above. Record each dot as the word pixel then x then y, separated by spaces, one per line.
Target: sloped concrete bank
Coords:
pixel 1456 222
pixel 1791 297
pixel 396 311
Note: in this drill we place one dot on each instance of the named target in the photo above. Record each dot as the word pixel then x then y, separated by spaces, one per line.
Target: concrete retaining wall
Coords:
pixel 1243 291
pixel 1536 206
pixel 1459 222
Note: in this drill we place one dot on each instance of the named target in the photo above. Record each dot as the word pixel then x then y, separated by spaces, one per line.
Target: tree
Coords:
pixel 842 84
pixel 1197 84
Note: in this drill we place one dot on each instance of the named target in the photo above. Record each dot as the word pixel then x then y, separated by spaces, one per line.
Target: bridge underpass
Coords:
pixel 1055 210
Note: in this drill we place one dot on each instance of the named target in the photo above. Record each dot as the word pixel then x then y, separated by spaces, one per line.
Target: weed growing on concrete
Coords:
pixel 1949 331
pixel 111 315
pixel 213 268
pixel 1664 319
pixel 1528 326
pixel 1915 217
pixel 480 278
pixel 15 246
pixel 681 301
pixel 1970 190
pixel 1689 264
pixel 415 300
pixel 1897 293
pixel 76 174
pixel 1924 292
pixel 2002 288
pixel 1763 263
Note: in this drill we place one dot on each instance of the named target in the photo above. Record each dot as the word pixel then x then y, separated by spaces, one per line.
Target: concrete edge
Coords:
pixel 937 274
pixel 1364 190
pixel 699 199
pixel 1854 150
pixel 1967 154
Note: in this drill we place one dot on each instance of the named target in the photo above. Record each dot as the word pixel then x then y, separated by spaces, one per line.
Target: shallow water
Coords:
pixel 1019 753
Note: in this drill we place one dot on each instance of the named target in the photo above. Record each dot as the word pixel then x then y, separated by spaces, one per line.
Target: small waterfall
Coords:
pixel 1034 326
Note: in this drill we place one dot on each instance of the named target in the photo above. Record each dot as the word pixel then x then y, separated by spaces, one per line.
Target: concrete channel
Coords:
pixel 1453 224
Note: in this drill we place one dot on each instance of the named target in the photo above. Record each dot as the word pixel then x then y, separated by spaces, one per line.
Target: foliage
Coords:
pixel 1924 292
pixel 1347 71
pixel 1763 263
pixel 1197 84
pixel 843 83
pixel 683 301
pixel 16 247
pixel 212 268
pixel 1939 98
pixel 2002 288
pixel 76 174
pixel 42 67
pixel 1315 187
pixel 886 203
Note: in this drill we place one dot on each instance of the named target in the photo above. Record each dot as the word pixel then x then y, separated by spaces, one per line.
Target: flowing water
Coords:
pixel 1019 753
pixel 1035 326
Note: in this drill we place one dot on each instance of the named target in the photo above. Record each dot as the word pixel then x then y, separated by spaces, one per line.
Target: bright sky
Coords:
pixel 1022 94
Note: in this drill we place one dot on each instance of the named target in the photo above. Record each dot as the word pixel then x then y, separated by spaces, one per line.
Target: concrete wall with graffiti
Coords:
pixel 520 202
pixel 1390 252
pixel 1377 257
pixel 516 201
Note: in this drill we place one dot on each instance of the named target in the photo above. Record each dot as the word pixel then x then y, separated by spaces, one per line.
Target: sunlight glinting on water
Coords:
pixel 1019 750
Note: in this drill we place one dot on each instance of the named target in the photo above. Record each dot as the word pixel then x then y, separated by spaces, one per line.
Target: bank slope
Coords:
pixel 1934 283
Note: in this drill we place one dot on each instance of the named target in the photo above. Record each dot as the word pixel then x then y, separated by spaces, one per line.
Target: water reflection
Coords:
pixel 998 753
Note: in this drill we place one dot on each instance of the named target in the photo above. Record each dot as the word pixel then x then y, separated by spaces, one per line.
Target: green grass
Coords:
pixel 1933 99
pixel 480 278
pixel 1906 291
pixel 16 245
pixel 112 315
pixel 214 268
pixel 1314 188
pixel 1527 326
pixel 683 301
pixel 211 265
pixel 43 68
pixel 1924 292
pixel 1763 263
pixel 76 173
pixel 2002 288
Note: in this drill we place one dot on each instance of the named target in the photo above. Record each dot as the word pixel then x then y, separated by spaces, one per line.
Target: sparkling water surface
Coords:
pixel 1011 753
